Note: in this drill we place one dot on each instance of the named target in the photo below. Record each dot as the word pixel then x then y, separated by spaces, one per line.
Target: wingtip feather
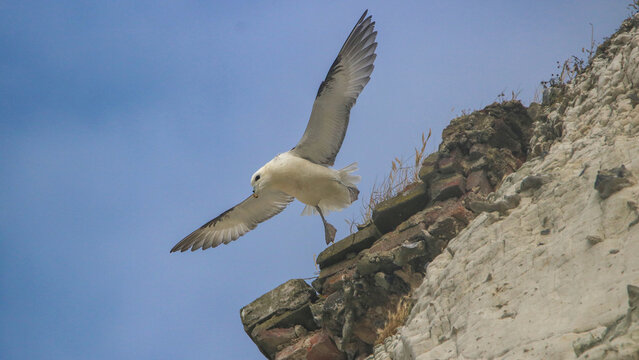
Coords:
pixel 363 16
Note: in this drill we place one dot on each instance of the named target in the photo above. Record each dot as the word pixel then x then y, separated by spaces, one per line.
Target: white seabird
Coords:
pixel 303 173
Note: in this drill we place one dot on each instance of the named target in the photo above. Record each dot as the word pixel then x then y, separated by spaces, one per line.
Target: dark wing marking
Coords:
pixel 337 94
pixel 235 221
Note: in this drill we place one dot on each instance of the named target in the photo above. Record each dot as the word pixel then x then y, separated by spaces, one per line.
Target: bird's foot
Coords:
pixel 329 233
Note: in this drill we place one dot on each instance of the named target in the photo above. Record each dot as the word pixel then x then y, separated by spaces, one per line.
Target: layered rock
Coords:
pixel 280 316
pixel 365 275
pixel 554 275
pixel 520 240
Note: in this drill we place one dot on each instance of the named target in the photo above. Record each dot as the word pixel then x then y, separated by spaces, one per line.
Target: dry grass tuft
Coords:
pixel 395 319
pixel 463 112
pixel 573 66
pixel 403 173
pixel 502 98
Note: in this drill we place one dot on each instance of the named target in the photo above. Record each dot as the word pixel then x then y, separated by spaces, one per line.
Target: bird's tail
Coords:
pixel 346 177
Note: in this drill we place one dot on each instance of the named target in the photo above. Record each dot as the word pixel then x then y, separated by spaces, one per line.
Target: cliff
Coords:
pixel 520 241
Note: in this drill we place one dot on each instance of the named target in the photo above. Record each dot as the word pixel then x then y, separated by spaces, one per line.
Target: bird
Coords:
pixel 304 172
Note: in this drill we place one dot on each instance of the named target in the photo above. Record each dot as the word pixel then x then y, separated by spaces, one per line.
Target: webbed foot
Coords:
pixel 329 233
pixel 329 230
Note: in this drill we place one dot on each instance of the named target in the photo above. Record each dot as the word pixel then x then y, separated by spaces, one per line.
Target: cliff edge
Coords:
pixel 521 240
pixel 557 276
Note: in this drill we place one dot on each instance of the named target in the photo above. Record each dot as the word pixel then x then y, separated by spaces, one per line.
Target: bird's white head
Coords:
pixel 258 180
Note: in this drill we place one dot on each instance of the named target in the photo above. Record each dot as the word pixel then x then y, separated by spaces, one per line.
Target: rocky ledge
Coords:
pixel 520 240
pixel 364 276
pixel 556 276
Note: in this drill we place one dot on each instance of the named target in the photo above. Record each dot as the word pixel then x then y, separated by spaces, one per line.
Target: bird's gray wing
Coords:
pixel 236 221
pixel 346 79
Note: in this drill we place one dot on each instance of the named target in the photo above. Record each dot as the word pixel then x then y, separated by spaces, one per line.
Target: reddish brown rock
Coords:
pixel 336 281
pixel 365 330
pixel 452 219
pixel 352 244
pixel 290 296
pixel 337 268
pixel 456 210
pixel 296 351
pixel 332 277
pixel 315 346
pixel 450 164
pixel 396 238
pixel 363 276
pixel 429 215
pixel 428 170
pixel 477 182
pixel 321 347
pixel 272 339
pixel 449 187
pixel 496 163
pixel 300 317
pixel 398 248
pixel 445 229
pixel 392 212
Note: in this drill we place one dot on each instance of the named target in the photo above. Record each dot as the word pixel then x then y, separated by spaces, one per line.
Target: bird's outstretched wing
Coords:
pixel 346 79
pixel 236 221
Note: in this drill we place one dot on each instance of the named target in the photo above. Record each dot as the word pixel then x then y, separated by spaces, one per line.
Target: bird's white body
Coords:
pixel 312 184
pixel 303 173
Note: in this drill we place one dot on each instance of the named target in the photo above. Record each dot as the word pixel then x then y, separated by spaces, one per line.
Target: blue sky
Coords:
pixel 123 127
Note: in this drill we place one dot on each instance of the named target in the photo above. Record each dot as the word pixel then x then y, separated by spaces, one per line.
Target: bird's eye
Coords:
pixel 257 177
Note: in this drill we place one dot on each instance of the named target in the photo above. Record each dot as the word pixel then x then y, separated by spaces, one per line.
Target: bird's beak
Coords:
pixel 255 195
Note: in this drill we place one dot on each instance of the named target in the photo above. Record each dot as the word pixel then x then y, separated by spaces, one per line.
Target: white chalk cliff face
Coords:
pixel 549 279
